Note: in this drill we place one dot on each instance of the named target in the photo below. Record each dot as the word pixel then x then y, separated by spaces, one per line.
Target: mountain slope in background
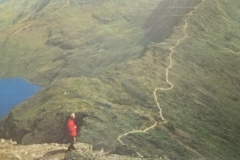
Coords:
pixel 191 71
pixel 69 38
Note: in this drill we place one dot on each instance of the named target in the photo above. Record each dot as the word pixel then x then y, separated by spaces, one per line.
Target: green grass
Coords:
pixel 103 78
pixel 68 33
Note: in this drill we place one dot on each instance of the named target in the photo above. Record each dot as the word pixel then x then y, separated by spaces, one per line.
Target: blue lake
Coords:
pixel 13 91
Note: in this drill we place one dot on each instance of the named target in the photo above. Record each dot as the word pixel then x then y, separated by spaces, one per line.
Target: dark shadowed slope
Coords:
pixel 167 15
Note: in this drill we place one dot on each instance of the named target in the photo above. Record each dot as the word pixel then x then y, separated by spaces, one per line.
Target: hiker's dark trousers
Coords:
pixel 72 141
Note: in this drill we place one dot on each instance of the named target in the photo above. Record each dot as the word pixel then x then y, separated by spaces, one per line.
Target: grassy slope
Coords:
pixel 204 102
pixel 49 40
pixel 202 109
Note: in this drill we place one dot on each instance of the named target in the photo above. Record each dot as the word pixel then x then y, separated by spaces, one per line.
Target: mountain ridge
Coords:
pixel 205 78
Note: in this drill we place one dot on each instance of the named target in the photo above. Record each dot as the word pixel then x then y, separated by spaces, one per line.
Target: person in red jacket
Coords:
pixel 72 131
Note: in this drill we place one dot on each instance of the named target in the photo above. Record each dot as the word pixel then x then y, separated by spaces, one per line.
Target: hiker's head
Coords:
pixel 72 115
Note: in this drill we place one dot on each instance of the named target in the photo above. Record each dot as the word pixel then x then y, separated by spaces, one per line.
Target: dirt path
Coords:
pixel 159 89
pixel 30 24
pixel 229 50
pixel 67 3
pixel 15 32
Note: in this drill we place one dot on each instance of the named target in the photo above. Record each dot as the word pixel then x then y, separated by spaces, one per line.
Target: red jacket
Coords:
pixel 72 129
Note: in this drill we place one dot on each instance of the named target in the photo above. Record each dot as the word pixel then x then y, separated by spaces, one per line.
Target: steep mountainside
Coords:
pixel 134 83
pixel 46 40
pixel 164 17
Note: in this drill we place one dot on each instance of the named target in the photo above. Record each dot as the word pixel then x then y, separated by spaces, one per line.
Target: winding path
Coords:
pixel 30 24
pixel 163 121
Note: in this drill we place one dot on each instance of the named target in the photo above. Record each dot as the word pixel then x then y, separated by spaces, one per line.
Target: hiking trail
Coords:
pixel 15 32
pixel 30 24
pixel 158 89
pixel 67 3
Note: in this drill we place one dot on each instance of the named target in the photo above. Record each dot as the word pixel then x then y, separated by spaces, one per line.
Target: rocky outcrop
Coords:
pixel 39 130
pixel 10 150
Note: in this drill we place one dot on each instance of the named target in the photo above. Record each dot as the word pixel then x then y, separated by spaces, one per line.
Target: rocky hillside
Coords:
pixel 152 86
pixel 10 150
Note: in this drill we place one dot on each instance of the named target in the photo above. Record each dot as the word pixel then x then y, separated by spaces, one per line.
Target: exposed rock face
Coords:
pixel 10 150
